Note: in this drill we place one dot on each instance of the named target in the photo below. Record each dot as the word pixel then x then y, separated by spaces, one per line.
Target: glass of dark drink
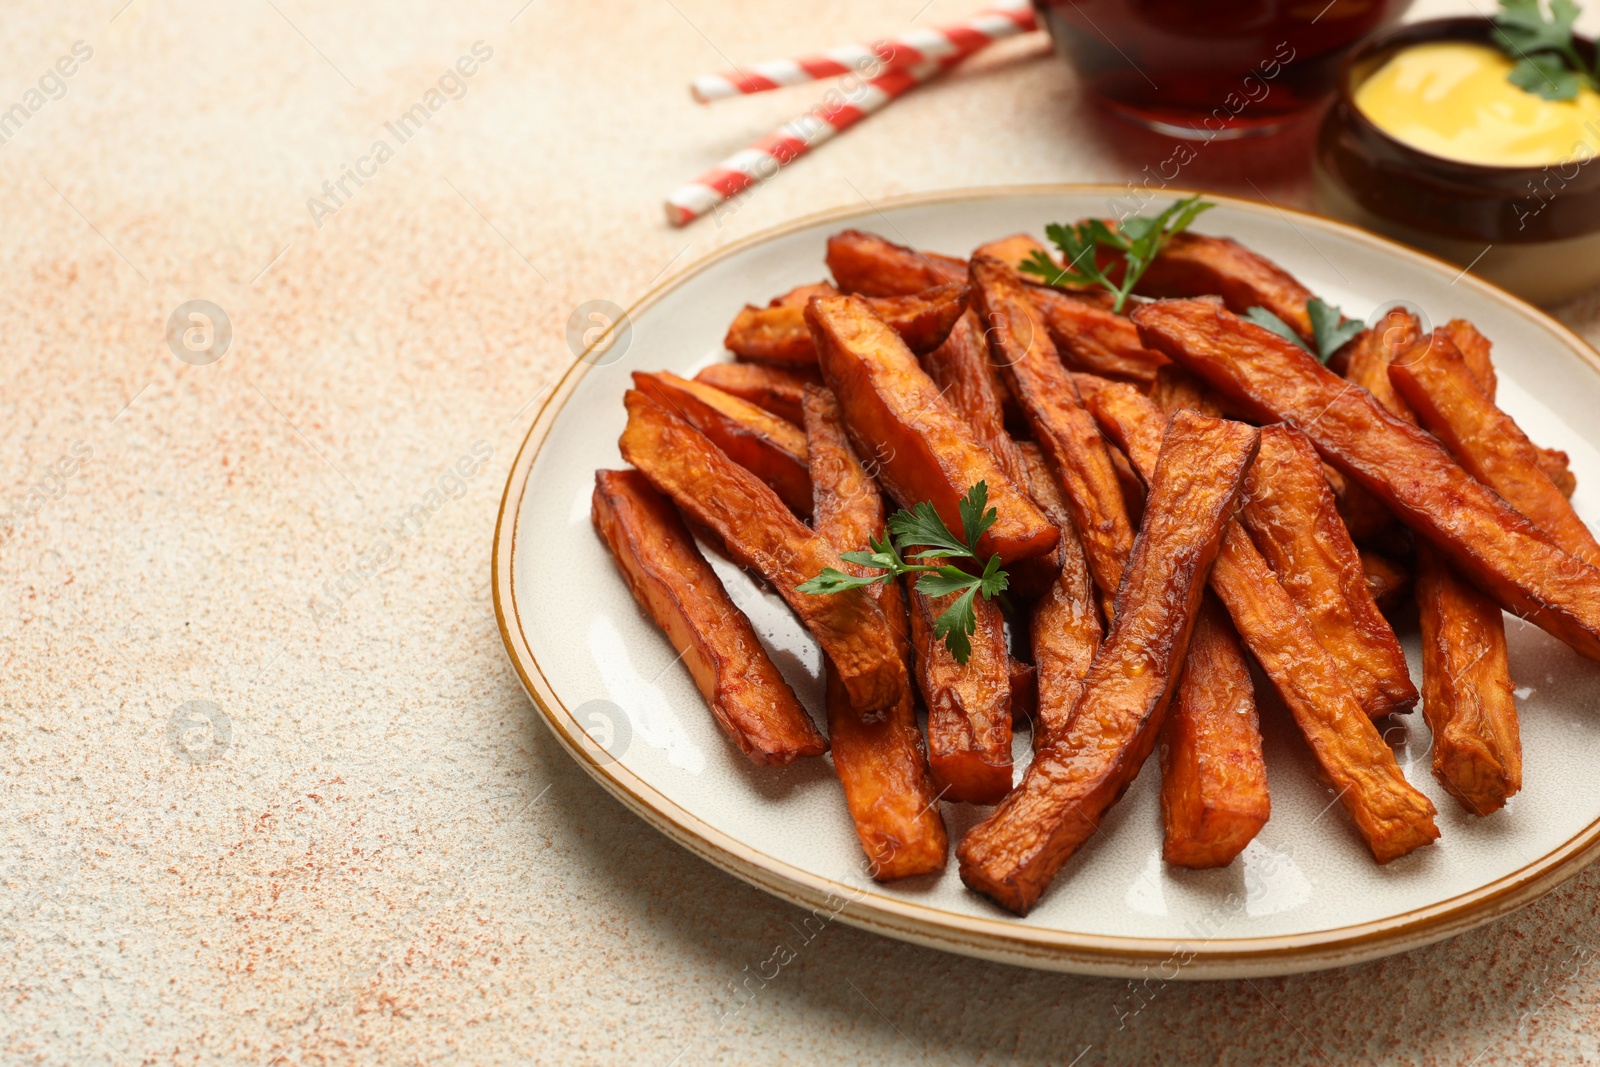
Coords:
pixel 1223 69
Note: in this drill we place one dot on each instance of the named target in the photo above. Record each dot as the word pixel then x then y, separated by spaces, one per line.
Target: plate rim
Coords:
pixel 998 938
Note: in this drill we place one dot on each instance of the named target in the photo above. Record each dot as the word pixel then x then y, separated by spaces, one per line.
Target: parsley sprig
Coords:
pixel 923 534
pixel 1138 239
pixel 1329 328
pixel 1548 63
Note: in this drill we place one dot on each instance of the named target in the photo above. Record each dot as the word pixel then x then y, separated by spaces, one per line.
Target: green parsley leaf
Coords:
pixel 1268 321
pixel 1548 63
pixel 1545 75
pixel 946 580
pixel 1330 328
pixel 1138 240
pixel 922 529
pixel 836 581
pixel 957 624
pixel 869 559
pixel 1521 26
pixel 883 556
pixel 1041 265
pixel 1077 246
pixel 993 581
pixel 1328 325
pixel 974 519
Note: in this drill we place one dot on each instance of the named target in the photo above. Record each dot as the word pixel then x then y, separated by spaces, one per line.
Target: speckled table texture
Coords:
pixel 382 856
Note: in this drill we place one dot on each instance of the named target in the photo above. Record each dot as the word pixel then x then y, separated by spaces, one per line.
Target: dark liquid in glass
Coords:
pixel 1202 70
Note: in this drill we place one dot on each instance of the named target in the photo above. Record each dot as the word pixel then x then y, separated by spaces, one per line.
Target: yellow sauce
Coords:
pixel 1452 99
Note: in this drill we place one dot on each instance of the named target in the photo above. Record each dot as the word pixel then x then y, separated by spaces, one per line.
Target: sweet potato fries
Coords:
pixel 1391 815
pixel 764 535
pixel 905 430
pixel 1213 776
pixel 779 334
pixel 1438 384
pixel 1117 492
pixel 880 764
pixel 771 448
pixel 1020 346
pixel 1489 541
pixel 1292 519
pixel 1466 684
pixel 672 581
pixel 1013 855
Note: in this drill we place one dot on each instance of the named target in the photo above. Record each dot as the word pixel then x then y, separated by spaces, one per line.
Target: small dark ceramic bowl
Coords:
pixel 1532 230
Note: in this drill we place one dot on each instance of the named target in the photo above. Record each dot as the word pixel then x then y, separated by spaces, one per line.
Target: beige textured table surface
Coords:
pixel 390 861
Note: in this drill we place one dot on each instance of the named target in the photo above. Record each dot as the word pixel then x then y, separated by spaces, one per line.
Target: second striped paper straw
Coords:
pixel 794 139
pixel 1005 18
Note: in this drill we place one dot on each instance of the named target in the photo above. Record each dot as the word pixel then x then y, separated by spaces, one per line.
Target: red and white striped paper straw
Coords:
pixel 794 139
pixel 1005 18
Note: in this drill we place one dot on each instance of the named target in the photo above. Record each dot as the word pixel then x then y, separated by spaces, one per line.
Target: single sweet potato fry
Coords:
pixel 910 436
pixel 1129 419
pixel 847 508
pixel 780 335
pixel 1093 338
pixel 801 295
pixel 1557 466
pixel 1090 384
pixel 1466 689
pixel 1013 250
pixel 1022 349
pixel 776 389
pixel 771 335
pixel 1392 817
pixel 1065 628
pixel 1364 514
pixel 1065 631
pixel 1487 540
pixel 923 320
pixel 763 535
pixel 672 581
pixel 960 370
pixel 1024 692
pixel 1046 488
pixel 1374 350
pixel 1370 370
pixel 1127 476
pixel 1012 855
pixel 1477 350
pixel 1175 389
pixel 886 787
pixel 1440 387
pixel 1386 580
pixel 1196 264
pixel 868 265
pixel 969 706
pixel 881 765
pixel 1132 485
pixel 1214 797
pixel 1293 521
pixel 771 448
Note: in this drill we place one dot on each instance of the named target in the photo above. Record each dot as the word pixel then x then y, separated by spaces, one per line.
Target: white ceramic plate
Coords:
pixel 1304 895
